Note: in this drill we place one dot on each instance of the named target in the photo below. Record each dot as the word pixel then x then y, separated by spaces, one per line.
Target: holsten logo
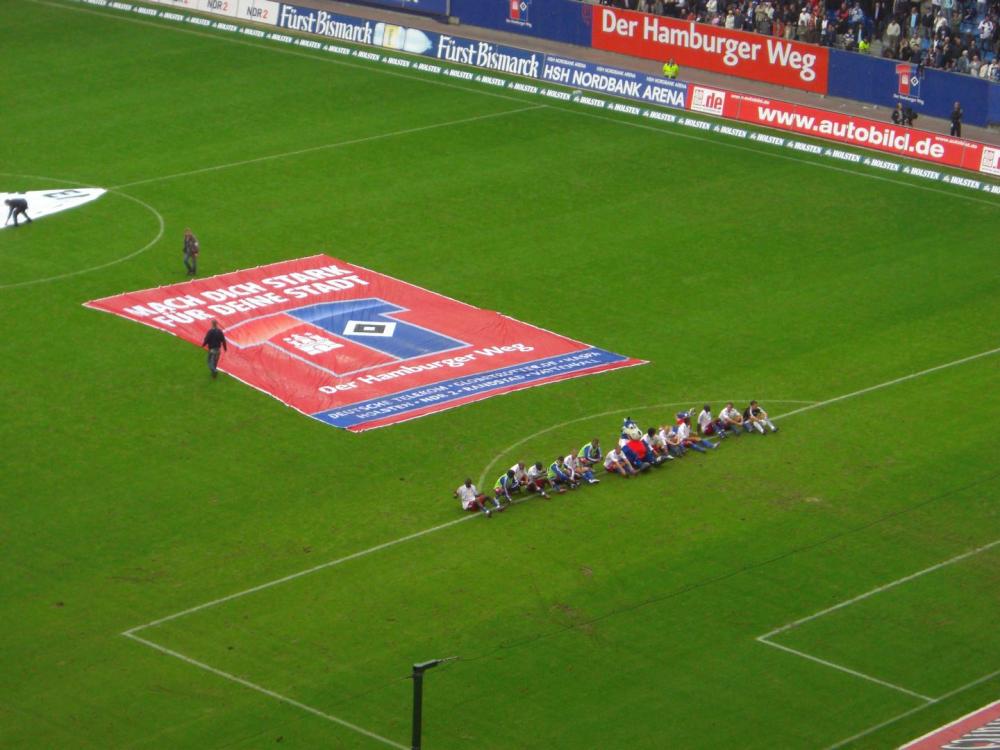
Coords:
pixel 47 202
pixel 709 101
pixel 733 50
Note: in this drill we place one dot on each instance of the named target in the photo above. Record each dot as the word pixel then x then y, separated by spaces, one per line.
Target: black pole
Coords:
pixel 418 697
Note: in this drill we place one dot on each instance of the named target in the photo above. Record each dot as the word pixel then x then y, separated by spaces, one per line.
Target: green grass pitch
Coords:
pixel 624 616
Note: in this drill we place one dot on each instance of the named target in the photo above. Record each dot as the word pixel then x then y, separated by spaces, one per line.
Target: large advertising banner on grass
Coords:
pixel 855 131
pixel 358 349
pixel 698 45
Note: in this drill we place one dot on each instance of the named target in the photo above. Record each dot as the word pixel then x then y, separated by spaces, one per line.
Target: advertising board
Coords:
pixel 855 131
pixel 738 53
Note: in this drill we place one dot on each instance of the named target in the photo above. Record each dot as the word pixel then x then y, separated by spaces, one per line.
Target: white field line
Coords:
pixel 265 691
pixel 116 261
pixel 879 589
pixel 894 719
pixel 886 384
pixel 308 571
pixel 848 670
pixel 131 633
pixel 485 92
pixel 329 146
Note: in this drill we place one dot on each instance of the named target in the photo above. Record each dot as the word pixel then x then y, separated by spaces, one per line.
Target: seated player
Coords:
pixel 590 454
pixel 577 470
pixel 708 425
pixel 505 488
pixel 732 420
pixel 675 448
pixel 537 479
pixel 472 499
pixel 616 463
pixel 686 438
pixel 559 474
pixel 657 444
pixel 756 417
pixel 520 477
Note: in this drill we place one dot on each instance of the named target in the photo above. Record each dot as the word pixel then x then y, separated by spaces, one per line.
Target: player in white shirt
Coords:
pixel 520 477
pixel 537 479
pixel 754 416
pixel 709 425
pixel 684 433
pixel 656 443
pixel 675 448
pixel 472 499
pixel 616 463
pixel 732 419
pixel 578 469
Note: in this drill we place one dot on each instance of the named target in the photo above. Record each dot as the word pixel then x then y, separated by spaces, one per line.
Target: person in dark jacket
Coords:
pixel 215 342
pixel 18 207
pixel 956 120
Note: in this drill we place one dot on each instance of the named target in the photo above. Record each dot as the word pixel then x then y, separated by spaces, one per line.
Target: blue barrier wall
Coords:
pixel 931 92
pixel 558 20
pixel 994 103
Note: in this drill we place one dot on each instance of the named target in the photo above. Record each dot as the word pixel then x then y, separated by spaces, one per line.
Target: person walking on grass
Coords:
pixel 215 342
pixel 191 250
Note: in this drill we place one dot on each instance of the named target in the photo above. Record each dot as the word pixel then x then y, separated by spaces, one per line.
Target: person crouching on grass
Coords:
pixel 537 479
pixel 559 474
pixel 708 425
pixel 755 416
pixel 657 443
pixel 505 486
pixel 732 420
pixel 675 448
pixel 590 454
pixel 577 470
pixel 472 499
pixel 687 440
pixel 616 463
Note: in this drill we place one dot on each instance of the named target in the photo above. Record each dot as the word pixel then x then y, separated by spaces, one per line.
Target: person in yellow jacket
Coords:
pixel 670 69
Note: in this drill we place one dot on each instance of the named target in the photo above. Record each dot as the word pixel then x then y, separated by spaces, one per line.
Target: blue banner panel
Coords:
pixel 929 92
pixel 614 81
pixel 559 20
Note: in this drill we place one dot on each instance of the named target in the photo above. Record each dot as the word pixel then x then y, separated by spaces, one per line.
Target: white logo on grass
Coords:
pixel 312 343
pixel 47 202
pixel 369 328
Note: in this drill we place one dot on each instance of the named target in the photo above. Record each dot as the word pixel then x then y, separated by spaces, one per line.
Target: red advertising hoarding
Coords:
pixel 697 45
pixel 357 349
pixel 939 149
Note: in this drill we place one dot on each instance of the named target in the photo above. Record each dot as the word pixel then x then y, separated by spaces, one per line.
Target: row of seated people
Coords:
pixel 635 452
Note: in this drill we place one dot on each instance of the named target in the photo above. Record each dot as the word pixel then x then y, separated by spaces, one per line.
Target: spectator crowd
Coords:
pixel 953 35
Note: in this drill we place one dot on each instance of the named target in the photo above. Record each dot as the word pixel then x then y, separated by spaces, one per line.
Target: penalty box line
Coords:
pixel 131 633
pixel 766 638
